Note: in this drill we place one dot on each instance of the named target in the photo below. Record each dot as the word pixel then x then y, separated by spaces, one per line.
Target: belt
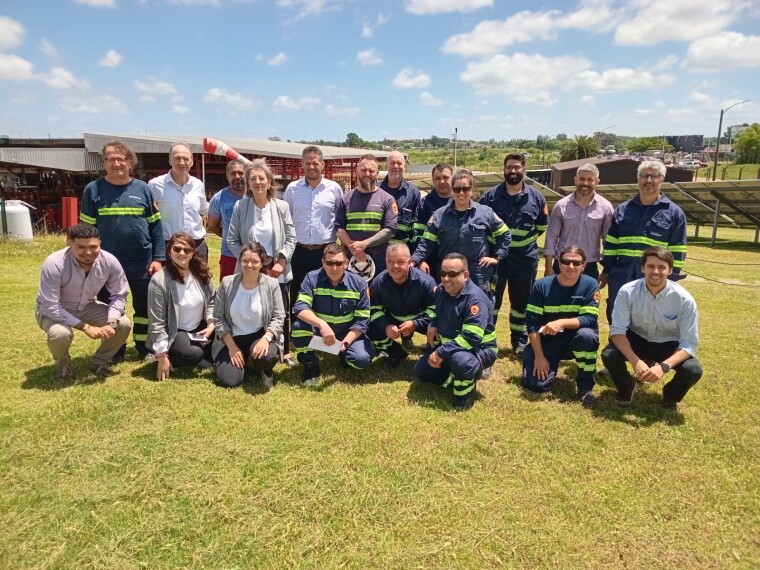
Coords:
pixel 311 246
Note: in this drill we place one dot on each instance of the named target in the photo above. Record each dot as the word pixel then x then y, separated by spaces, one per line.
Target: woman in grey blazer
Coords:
pixel 262 218
pixel 180 305
pixel 249 315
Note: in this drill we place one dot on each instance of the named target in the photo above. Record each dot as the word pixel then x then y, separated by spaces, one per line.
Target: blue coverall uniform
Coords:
pixel 468 340
pixel 476 232
pixel 427 207
pixel 343 307
pixel 550 301
pixel 407 198
pixel 635 227
pixel 130 229
pixel 526 214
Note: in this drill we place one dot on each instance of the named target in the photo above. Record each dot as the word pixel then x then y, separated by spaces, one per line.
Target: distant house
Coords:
pixel 611 171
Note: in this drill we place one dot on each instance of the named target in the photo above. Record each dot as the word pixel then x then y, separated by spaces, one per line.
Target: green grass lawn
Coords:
pixel 374 471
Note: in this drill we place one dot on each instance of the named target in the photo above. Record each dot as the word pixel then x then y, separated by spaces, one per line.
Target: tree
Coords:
pixel 562 137
pixel 580 146
pixel 353 140
pixel 747 145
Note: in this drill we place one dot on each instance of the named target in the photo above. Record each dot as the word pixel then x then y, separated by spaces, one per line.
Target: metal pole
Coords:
pixel 455 147
pixel 4 215
pixel 715 162
pixel 715 222
pixel 203 169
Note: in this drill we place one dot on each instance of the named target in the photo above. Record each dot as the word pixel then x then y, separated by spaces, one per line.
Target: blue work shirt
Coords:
pixel 221 205
pixel 344 306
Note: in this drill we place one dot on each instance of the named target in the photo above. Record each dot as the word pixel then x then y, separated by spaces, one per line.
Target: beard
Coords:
pixel 514 178
pixel 367 184
pixel 238 185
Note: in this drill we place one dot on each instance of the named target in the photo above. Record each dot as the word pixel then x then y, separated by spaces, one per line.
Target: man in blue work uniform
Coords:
pixel 130 228
pixel 648 219
pixel 333 304
pixel 561 317
pixel 406 195
pixel 524 210
pixel 461 336
pixel 468 228
pixel 402 302
pixel 367 216
pixel 440 196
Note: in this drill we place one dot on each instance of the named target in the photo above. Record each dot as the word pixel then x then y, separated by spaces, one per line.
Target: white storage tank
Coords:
pixel 19 220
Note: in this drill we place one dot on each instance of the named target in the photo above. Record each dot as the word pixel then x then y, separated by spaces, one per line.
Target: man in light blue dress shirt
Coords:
pixel 654 327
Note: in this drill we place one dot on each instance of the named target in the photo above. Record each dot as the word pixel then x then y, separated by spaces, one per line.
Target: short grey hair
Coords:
pixel 588 167
pixel 653 164
pixel 395 246
pixel 180 143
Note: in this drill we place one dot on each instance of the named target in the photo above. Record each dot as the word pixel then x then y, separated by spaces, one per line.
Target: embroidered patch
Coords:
pixel 474 310
pixel 597 296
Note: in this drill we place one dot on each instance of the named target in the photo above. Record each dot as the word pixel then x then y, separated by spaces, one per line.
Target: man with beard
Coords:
pixel 524 210
pixel 406 194
pixel 69 281
pixel 442 174
pixel 367 216
pixel 582 219
pixel 220 212
pixel 648 219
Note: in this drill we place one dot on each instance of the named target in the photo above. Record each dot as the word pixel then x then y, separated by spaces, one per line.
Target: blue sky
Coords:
pixel 319 69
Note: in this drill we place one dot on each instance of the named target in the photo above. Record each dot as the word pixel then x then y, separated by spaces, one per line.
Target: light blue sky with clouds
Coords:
pixel 319 69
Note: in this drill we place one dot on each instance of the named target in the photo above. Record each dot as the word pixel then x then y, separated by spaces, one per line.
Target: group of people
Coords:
pixel 357 274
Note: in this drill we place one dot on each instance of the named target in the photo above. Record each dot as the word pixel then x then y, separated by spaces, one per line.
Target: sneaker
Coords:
pixel 150 357
pixel 626 397
pixel 290 362
pixel 670 405
pixel 519 350
pixel 102 370
pixel 485 374
pixel 267 379
pixel 310 375
pixel 396 355
pixel 63 372
pixel 464 403
pixel 407 343
pixel 588 400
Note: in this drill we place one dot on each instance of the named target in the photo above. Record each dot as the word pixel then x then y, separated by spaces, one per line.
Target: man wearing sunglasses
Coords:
pixel 648 219
pixel 561 319
pixel 333 304
pixel 461 336
pixel 440 196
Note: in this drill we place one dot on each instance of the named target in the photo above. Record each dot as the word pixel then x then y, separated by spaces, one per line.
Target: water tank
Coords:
pixel 19 220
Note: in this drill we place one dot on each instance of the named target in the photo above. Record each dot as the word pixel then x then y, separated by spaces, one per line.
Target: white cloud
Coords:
pixel 619 79
pixel 260 57
pixel 236 101
pixel 11 33
pixel 422 7
pixel 308 8
pixel 369 57
pixel 428 100
pixel 342 112
pixel 180 110
pixel 643 111
pixel 676 20
pixel 279 59
pixel 48 49
pixel 407 78
pixel 368 30
pixel 15 68
pixel 153 88
pixel 727 50
pixel 664 63
pixel 111 59
pixel 660 104
pixel 60 78
pixel 196 2
pixel 587 99
pixel 95 106
pixel 98 3
pixel 284 103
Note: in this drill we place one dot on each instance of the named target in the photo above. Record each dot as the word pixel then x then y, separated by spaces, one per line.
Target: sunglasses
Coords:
pixel 451 274
pixel 334 263
pixel 180 249
pixel 461 189
pixel 573 262
pixel 649 176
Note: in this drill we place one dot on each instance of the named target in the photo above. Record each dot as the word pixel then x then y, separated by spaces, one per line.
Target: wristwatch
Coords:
pixel 665 367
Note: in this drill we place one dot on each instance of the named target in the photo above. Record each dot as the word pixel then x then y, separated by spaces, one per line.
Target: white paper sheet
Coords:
pixel 317 343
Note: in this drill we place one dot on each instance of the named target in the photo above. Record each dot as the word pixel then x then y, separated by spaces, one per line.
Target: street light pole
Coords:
pixel 599 137
pixel 455 147
pixel 720 130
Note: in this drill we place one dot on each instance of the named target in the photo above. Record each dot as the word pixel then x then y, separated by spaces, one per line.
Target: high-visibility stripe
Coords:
pixel 589 310
pixel 677 248
pixel 87 219
pixel 336 320
pixel 336 293
pixel 580 354
pixel 364 215
pixel 154 217
pixel 473 329
pixel 403 318
pixel 301 333
pixel 140 337
pixel 120 211
pixel 518 328
pixel 521 243
pixel 461 341
pixel 140 320
pixel 516 314
pixel 363 227
pixel 362 313
pixel 430 236
pixel 303 297
pixel 535 309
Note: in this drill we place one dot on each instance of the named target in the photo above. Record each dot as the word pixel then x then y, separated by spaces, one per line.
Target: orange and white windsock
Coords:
pixel 213 146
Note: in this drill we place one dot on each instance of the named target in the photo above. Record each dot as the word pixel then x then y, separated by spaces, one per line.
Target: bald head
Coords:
pixel 396 166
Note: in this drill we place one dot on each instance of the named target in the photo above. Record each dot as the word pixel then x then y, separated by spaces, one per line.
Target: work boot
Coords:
pixel 464 403
pixel 626 396
pixel 396 355
pixel 103 370
pixel 407 343
pixel 267 379
pixel 63 372
pixel 310 375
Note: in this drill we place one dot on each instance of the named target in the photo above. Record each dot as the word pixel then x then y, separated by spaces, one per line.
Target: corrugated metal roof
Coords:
pixel 573 164
pixel 162 143
pixel 73 159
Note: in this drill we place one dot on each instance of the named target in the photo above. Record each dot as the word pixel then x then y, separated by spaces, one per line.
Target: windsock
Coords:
pixel 213 146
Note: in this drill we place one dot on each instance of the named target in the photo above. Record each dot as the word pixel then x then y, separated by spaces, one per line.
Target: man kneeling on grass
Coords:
pixel 654 327
pixel 562 318
pixel 69 282
pixel 464 327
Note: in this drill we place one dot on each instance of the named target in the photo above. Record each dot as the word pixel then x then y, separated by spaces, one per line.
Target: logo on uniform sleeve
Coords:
pixel 597 296
pixel 546 209
pixel 394 207
pixel 474 310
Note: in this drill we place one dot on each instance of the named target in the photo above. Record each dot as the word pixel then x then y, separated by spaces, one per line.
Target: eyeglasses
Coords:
pixel 180 249
pixel 514 168
pixel 451 274
pixel 573 262
pixel 115 159
pixel 458 190
pixel 334 263
pixel 650 176
pixel 250 262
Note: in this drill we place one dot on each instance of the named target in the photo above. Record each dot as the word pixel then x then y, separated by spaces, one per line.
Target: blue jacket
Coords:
pixel 413 300
pixel 407 198
pixel 549 301
pixel 426 208
pixel 526 214
pixel 343 307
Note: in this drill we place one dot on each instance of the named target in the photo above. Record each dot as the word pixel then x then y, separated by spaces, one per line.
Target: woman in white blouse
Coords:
pixel 249 315
pixel 262 218
pixel 180 306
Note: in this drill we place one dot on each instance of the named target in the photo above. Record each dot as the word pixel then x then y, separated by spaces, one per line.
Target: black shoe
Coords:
pixel 267 379
pixel 464 403
pixel 588 400
pixel 626 396
pixel 670 405
pixel 310 375
pixel 407 343
pixel 396 355
pixel 102 370
pixel 519 350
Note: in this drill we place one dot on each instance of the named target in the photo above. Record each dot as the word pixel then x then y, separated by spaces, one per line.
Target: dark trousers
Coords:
pixel 285 291
pixel 581 344
pixel 358 355
pixel 186 352
pixel 459 370
pixel 592 269
pixel 686 375
pixel 379 339
pixel 303 261
pixel 138 279
pixel 518 285
pixel 229 375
